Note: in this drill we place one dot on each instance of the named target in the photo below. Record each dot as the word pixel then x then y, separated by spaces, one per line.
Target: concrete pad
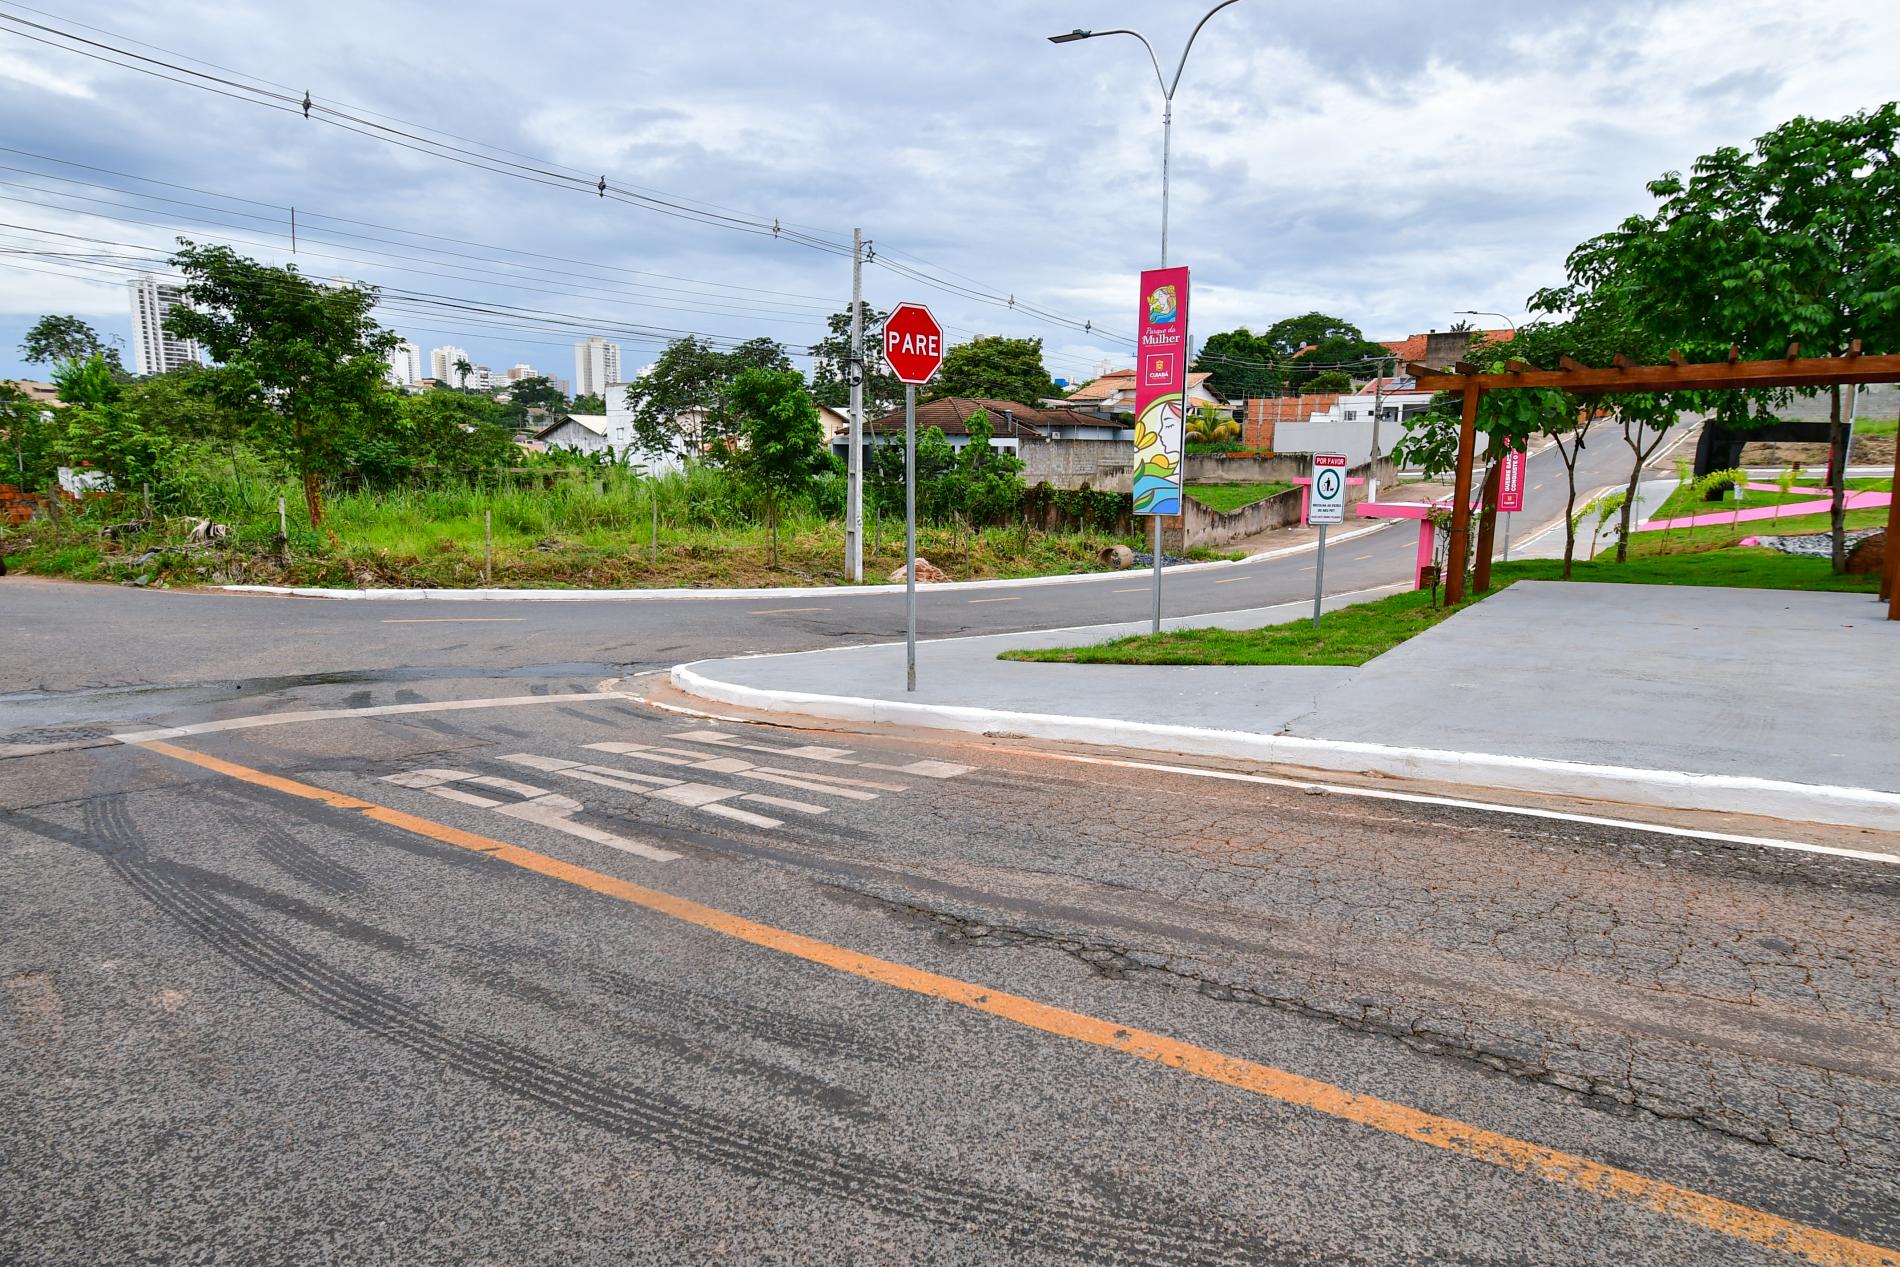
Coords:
pixel 1748 701
pixel 1770 683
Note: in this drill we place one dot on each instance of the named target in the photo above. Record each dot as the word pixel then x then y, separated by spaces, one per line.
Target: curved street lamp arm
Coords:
pixel 1166 92
pixel 1182 64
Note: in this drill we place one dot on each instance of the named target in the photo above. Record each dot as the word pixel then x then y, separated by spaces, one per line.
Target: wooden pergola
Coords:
pixel 1679 374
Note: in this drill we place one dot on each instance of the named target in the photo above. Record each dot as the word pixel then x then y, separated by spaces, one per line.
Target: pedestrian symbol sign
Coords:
pixel 1326 504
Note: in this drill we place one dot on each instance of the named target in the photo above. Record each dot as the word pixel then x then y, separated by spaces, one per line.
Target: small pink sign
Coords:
pixel 1511 481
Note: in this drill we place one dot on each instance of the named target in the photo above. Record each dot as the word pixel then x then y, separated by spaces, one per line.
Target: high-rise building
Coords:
pixel 442 364
pixel 153 350
pixel 405 365
pixel 596 364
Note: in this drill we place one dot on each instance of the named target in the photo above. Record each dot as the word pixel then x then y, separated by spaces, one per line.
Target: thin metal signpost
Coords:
pixel 1325 504
pixel 910 536
pixel 913 348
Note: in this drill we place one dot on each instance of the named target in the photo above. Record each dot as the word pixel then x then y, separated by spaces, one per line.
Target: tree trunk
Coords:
pixel 1629 498
pixel 1570 510
pixel 313 497
pixel 1837 455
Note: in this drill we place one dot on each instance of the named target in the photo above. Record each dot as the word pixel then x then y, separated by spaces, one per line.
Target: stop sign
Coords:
pixel 913 343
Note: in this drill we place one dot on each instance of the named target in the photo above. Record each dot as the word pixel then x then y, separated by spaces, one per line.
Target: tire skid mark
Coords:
pixel 301 861
pixel 786 1029
pixel 1075 1231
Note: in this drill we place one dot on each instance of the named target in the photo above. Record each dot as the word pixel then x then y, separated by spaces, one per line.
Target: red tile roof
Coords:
pixel 951 414
pixel 1119 381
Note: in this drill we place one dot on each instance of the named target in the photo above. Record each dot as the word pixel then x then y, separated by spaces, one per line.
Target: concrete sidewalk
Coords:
pixel 1749 701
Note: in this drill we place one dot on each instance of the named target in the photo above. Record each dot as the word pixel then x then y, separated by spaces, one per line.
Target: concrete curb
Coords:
pixel 786 591
pixel 1668 789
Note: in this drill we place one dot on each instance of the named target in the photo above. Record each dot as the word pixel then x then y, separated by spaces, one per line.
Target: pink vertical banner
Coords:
pixel 1161 368
pixel 1511 481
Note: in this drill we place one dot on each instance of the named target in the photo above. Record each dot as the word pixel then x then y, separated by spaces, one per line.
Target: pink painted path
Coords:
pixel 1855 501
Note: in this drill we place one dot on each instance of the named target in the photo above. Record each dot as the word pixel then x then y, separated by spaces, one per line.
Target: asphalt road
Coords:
pixel 362 988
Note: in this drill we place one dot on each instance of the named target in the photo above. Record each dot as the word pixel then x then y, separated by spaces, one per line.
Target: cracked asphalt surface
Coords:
pixel 247 1026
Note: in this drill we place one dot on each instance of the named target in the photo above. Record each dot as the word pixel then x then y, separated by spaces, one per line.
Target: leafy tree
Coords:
pixel 937 476
pixel 681 403
pixel 30 437
pixel 306 359
pixel 1796 239
pixel 995 367
pixel 784 440
pixel 55 339
pixel 536 392
pixel 587 403
pixel 832 354
pixel 1330 381
pixel 86 381
pixel 1285 338
pixel 990 480
pixel 1239 365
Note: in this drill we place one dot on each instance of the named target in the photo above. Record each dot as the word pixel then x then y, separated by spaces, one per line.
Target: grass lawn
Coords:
pixel 1231 497
pixel 1872 428
pixel 1353 635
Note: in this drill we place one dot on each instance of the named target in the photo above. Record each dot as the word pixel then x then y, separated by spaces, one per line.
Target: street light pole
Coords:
pixel 1167 145
pixel 1472 312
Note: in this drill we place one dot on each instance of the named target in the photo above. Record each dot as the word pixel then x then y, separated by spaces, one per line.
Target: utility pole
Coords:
pixel 1378 415
pixel 854 373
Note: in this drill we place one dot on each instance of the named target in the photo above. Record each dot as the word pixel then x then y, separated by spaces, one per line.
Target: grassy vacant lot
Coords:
pixel 586 530
pixel 1872 428
pixel 1231 497
pixel 1353 635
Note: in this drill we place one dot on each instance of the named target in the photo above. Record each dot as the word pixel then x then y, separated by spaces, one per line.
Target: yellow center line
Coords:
pixel 996 600
pixel 1729 1218
pixel 454 620
pixel 1230 580
pixel 781 611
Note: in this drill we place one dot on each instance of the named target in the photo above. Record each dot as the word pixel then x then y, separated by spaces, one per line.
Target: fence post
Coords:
pixel 488 546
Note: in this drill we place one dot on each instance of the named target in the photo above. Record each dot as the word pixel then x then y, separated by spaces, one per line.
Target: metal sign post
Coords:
pixel 910 537
pixel 913 347
pixel 1325 504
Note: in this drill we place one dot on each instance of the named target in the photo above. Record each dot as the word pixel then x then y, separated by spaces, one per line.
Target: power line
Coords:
pixel 536 170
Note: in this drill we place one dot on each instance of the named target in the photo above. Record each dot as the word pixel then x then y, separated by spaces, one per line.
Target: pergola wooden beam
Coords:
pixel 1584 380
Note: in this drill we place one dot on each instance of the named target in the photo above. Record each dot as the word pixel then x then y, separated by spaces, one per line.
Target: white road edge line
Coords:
pixel 1421 798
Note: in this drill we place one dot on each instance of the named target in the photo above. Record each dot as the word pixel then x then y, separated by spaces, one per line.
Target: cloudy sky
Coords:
pixel 1389 163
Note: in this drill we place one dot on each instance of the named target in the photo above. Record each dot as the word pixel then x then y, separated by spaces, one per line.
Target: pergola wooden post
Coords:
pixel 1678 375
pixel 1457 545
pixel 1890 575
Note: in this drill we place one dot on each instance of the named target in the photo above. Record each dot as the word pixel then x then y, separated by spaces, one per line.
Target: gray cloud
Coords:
pixel 1386 162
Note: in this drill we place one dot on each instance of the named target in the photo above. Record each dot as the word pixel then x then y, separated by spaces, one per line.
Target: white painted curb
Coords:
pixel 788 591
pixel 1669 789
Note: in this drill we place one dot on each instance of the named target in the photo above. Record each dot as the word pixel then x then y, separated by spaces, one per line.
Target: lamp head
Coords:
pixel 1071 37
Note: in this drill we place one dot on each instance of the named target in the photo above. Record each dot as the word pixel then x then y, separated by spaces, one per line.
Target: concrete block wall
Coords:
pixel 1101 464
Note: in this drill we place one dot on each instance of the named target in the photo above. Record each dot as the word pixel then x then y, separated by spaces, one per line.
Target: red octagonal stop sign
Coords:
pixel 913 343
